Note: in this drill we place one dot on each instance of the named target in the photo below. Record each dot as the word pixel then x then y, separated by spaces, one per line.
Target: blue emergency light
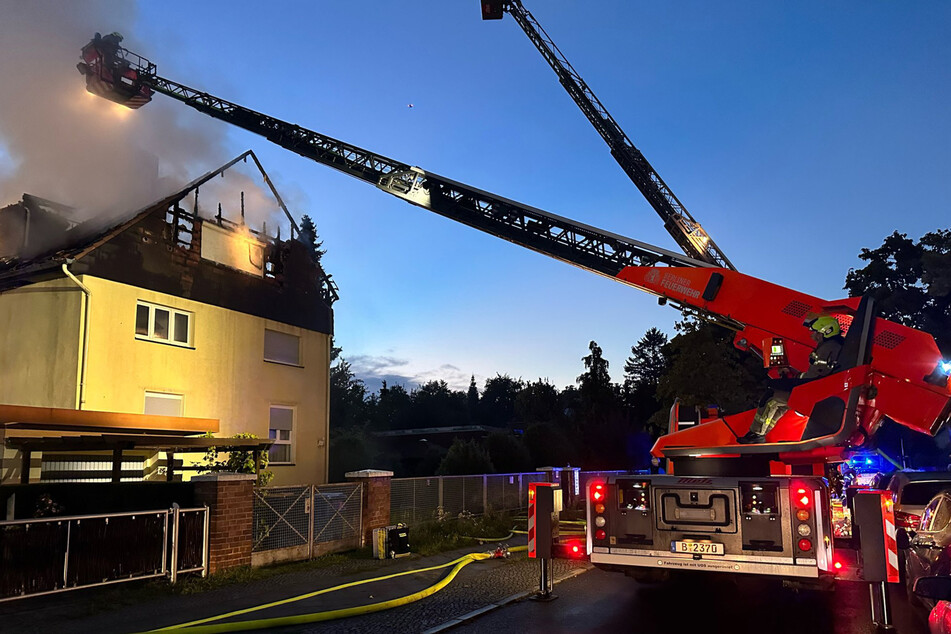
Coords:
pixel 945 367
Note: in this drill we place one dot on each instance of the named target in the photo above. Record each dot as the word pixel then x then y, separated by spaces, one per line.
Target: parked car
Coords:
pixel 936 589
pixel 911 492
pixel 928 561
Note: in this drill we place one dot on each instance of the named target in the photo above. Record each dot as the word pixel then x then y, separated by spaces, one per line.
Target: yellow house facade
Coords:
pixel 176 315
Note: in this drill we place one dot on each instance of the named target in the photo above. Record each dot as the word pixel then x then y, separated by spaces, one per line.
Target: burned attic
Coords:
pixel 194 306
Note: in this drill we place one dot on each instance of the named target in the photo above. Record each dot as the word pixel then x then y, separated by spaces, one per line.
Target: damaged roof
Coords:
pixel 72 240
pixel 159 247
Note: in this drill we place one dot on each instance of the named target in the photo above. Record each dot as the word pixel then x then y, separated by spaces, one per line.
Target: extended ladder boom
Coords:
pixel 686 231
pixel 573 242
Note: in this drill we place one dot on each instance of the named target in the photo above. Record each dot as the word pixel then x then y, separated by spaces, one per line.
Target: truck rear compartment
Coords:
pixel 766 525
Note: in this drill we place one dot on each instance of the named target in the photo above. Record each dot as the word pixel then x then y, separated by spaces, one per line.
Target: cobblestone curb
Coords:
pixel 518 596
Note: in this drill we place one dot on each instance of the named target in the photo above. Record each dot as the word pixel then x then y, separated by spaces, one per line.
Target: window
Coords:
pixel 941 516
pixel 281 430
pixel 281 347
pixel 164 404
pixel 159 323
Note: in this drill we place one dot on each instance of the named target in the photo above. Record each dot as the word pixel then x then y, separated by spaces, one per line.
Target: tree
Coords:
pixel 647 362
pixel 507 453
pixel 350 450
pixel 435 405
pixel 642 373
pixel 597 391
pixel 347 394
pixel 308 236
pixel 465 457
pixel 538 402
pixel 705 368
pixel 910 282
pixel 472 398
pixel 391 408
pixel 497 404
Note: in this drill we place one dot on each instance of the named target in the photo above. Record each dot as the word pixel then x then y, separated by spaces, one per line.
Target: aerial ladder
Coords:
pixel 682 226
pixel 688 520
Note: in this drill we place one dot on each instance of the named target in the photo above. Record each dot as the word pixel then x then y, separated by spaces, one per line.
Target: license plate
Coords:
pixel 697 548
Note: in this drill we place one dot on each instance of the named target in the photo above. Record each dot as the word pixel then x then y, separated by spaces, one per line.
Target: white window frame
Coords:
pixel 277 440
pixel 172 312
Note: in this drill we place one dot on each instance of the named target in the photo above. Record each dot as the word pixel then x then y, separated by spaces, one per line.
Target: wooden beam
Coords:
pixel 117 464
pixel 26 457
pixel 26 417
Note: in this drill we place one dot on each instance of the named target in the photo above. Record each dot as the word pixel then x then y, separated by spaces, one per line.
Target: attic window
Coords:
pixel 163 324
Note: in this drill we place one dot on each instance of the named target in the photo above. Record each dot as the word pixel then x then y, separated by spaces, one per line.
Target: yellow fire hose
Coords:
pixel 314 617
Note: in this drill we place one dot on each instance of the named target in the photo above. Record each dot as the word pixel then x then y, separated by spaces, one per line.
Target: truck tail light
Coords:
pixel 802 497
pixel 908 521
pixel 805 544
pixel 598 492
pixel 600 534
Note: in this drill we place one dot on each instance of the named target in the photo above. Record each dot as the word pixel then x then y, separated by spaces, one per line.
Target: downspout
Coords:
pixel 81 387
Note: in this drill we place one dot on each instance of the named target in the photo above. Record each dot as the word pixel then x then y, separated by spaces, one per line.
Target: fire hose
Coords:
pixel 199 626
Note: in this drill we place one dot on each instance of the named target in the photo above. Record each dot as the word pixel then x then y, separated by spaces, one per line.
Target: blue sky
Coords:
pixel 796 133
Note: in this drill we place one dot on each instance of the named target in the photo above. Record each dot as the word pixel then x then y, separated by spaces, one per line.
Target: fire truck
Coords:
pixel 724 506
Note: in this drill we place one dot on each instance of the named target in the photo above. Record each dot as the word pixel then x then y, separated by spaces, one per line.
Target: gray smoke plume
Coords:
pixel 61 143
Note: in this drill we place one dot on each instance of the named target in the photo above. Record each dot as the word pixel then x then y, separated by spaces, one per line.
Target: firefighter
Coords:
pixel 826 332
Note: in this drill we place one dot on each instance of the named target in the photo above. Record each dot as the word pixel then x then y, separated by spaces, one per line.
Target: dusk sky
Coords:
pixel 797 133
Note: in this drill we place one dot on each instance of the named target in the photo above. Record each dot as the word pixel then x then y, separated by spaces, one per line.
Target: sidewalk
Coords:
pixel 108 609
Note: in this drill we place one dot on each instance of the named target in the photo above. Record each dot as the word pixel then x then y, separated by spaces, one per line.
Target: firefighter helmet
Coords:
pixel 826 326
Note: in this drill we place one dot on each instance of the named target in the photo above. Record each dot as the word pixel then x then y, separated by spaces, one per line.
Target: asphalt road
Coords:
pixel 598 601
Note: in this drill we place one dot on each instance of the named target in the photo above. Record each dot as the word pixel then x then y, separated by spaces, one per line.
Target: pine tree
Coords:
pixel 308 236
pixel 472 398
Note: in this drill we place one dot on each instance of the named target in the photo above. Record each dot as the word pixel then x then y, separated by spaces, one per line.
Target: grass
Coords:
pixel 449 533
pixel 443 534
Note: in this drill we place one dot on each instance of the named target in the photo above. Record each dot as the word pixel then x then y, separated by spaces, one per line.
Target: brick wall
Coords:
pixel 376 499
pixel 229 497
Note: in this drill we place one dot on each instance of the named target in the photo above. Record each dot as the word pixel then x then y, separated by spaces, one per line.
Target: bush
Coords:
pixel 446 533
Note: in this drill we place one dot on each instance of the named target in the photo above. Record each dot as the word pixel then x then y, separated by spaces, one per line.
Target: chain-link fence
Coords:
pixel 306 520
pixel 337 511
pixel 585 478
pixel 418 500
pixel 281 517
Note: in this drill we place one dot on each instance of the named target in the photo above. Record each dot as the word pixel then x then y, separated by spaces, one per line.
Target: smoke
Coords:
pixel 61 143
pixel 261 211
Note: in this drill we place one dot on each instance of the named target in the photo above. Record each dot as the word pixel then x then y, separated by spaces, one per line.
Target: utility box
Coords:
pixel 391 542
pixel 544 505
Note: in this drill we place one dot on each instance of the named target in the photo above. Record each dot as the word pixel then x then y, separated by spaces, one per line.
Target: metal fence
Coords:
pixel 303 518
pixel 418 500
pixel 47 555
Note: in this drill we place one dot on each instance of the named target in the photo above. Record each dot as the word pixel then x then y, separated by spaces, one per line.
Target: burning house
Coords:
pixel 175 310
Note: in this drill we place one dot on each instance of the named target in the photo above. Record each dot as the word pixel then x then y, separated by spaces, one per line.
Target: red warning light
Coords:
pixel 802 497
pixel 597 492
pixel 837 565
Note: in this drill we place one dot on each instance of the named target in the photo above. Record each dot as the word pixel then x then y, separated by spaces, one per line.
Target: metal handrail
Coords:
pixel 66 518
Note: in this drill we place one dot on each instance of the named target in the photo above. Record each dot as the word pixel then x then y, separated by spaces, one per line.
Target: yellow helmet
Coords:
pixel 826 326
